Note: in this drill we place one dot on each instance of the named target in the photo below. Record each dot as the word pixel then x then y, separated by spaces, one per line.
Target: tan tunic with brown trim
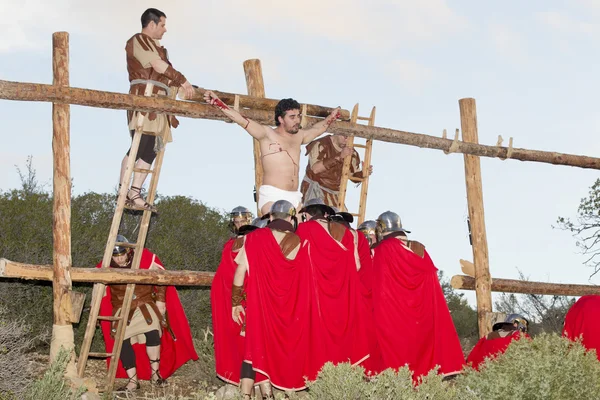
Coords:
pixel 141 50
pixel 144 315
pixel 327 182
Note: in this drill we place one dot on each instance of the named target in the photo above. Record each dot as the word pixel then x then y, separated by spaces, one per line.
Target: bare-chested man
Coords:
pixel 279 147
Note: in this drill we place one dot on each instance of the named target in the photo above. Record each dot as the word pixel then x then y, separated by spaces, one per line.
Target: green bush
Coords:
pixel 547 367
pixel 52 386
pixel 341 381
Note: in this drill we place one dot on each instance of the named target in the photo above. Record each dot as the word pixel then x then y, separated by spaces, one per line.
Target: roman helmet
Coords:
pixel 387 222
pixel 369 228
pixel 244 216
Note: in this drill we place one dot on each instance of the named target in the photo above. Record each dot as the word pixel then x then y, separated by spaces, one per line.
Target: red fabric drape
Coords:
pixel 277 313
pixel 338 331
pixel 582 320
pixel 490 348
pixel 372 364
pixel 228 343
pixel 173 354
pixel 412 319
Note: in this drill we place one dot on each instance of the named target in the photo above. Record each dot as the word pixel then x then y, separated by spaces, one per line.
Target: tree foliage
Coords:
pixel 586 227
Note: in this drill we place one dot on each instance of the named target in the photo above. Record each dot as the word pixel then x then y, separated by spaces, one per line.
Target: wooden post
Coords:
pixel 61 220
pixel 468 119
pixel 256 88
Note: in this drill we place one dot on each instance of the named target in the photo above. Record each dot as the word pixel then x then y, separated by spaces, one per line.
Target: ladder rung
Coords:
pixel 108 318
pixel 363 118
pixel 126 244
pixel 100 355
pixel 355 215
pixel 360 146
pixel 143 170
pixel 136 208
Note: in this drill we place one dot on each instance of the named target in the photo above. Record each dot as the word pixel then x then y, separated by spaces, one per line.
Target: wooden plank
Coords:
pixel 61 183
pixel 464 282
pixel 61 208
pixel 362 207
pixel 261 103
pixel 256 88
pixel 13 269
pixel 346 165
pixel 96 98
pixel 468 118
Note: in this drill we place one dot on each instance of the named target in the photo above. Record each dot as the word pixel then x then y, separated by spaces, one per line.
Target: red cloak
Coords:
pixel 490 348
pixel 173 354
pixel 338 331
pixel 277 313
pixel 582 320
pixel 412 319
pixel 372 364
pixel 229 344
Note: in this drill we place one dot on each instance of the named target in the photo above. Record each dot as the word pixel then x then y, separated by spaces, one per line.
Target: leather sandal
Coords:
pixel 159 381
pixel 130 201
pixel 133 379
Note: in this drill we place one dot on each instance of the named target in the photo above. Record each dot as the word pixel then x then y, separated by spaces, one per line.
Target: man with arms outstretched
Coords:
pixel 279 148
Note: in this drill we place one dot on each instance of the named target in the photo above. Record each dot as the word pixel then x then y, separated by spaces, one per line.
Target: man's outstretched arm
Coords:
pixel 255 129
pixel 320 127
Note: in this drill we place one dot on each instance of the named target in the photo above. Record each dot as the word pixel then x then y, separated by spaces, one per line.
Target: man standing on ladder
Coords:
pixel 148 62
pixel 280 148
pixel 324 170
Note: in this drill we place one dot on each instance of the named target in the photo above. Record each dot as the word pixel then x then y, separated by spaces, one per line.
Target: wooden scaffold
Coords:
pixel 259 108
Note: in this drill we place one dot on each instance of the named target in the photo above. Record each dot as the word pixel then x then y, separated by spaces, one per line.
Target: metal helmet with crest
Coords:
pixel 388 222
pixel 368 228
pixel 317 204
pixel 239 214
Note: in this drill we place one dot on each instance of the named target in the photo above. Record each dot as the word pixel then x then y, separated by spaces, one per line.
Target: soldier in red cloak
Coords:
pixel 497 341
pixel 582 321
pixel 412 319
pixel 157 338
pixel 339 316
pixel 273 278
pixel 229 342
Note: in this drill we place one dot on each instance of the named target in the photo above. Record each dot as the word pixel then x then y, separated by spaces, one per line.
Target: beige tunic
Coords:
pixel 145 56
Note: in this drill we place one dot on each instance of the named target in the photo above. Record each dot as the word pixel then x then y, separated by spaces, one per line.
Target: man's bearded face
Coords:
pixel 340 140
pixel 121 260
pixel 291 121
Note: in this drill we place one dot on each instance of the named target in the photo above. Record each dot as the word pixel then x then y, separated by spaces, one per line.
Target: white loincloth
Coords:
pixel 268 193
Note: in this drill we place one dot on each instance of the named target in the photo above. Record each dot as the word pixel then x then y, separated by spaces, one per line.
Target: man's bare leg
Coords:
pixel 138 180
pixel 266 390
pixel 154 357
pixel 246 386
pixel 133 380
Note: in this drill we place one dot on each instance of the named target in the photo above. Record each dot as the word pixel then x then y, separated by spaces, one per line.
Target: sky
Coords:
pixel 531 66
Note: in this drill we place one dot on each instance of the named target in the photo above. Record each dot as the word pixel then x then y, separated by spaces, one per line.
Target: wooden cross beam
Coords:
pixel 97 98
pixel 464 282
pixel 108 276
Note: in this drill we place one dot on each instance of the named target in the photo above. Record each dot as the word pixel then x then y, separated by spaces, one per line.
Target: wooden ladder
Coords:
pixel 100 288
pixel 364 180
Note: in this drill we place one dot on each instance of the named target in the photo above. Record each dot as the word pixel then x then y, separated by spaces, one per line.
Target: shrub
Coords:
pixel 547 367
pixel 341 381
pixel 16 370
pixel 52 386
